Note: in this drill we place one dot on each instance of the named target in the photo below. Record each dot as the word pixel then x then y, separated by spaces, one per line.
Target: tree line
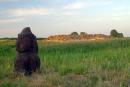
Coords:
pixel 113 33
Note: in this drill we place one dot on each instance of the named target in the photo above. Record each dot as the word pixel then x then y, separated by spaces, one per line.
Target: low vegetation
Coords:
pixel 72 64
pixel 115 34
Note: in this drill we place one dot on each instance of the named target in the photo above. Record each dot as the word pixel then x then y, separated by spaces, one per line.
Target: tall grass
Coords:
pixel 88 64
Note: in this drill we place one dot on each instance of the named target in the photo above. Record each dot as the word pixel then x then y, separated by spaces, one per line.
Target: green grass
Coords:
pixel 74 64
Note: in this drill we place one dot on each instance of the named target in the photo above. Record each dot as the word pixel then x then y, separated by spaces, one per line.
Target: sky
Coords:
pixel 52 17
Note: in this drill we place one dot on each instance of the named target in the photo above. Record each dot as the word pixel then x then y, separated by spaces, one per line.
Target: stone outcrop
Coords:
pixel 27 59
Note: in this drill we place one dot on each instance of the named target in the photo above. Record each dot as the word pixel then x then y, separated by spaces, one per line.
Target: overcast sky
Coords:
pixel 50 17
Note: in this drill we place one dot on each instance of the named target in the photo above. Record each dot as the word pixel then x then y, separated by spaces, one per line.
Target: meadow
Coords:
pixel 71 64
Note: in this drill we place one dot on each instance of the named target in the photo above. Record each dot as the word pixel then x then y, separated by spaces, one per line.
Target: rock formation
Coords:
pixel 27 59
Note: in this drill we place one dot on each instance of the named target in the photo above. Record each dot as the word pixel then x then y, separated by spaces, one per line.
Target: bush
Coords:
pixel 74 34
pixel 82 33
pixel 114 33
pixel 120 35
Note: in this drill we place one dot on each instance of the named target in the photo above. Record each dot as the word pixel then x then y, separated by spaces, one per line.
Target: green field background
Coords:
pixel 71 64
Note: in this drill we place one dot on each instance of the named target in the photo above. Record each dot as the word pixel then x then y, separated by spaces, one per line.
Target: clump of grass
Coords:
pixel 12 84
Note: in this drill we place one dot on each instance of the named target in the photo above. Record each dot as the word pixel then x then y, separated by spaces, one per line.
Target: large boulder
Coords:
pixel 27 59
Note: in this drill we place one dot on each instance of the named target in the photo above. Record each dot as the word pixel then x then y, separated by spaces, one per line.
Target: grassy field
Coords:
pixel 74 64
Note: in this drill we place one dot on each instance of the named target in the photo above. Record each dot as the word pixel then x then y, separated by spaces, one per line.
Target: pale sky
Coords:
pixel 52 17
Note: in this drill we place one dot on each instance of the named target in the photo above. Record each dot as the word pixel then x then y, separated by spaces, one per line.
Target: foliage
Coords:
pixel 74 34
pixel 120 35
pixel 82 33
pixel 114 33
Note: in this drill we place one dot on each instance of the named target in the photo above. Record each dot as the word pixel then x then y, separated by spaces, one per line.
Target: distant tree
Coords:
pixel 114 33
pixel 82 33
pixel 120 35
pixel 74 34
